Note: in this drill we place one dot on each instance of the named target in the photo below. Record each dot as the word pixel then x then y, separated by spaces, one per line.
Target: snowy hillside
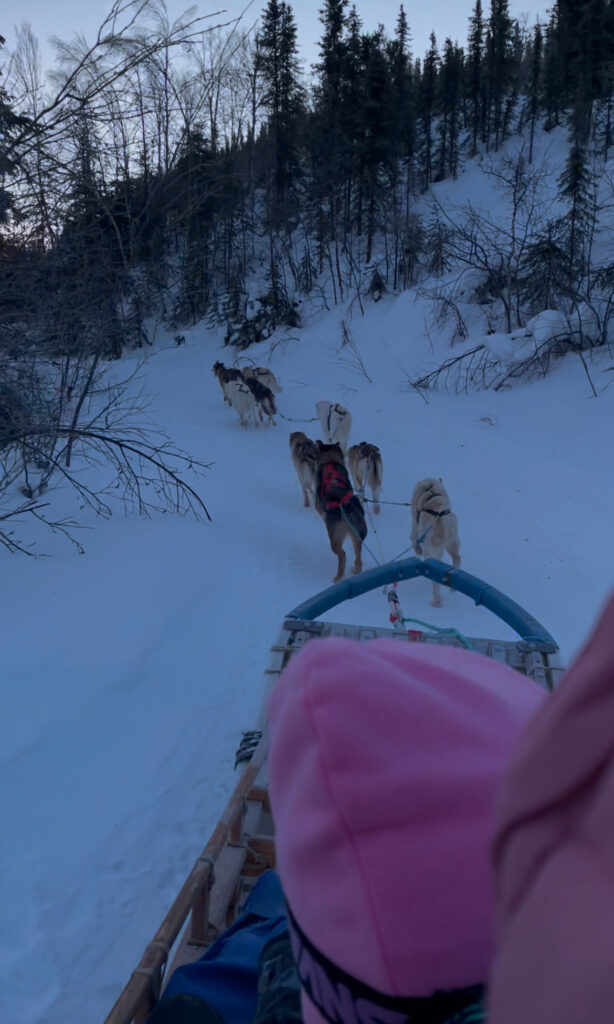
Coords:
pixel 131 670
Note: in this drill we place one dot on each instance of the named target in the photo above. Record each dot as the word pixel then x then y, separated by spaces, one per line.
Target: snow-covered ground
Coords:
pixel 131 670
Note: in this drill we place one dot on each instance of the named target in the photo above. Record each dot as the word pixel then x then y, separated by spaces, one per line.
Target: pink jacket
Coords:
pixel 554 854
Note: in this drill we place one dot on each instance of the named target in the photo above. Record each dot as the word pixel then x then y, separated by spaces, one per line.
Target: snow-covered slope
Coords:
pixel 131 670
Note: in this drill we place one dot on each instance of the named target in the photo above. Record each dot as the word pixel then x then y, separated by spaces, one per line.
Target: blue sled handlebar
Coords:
pixel 528 628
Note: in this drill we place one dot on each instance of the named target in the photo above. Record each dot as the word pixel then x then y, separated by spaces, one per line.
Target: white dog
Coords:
pixel 366 467
pixel 336 423
pixel 434 526
pixel 264 375
pixel 242 401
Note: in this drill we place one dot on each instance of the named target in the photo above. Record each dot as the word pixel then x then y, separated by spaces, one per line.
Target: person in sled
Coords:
pixel 385 760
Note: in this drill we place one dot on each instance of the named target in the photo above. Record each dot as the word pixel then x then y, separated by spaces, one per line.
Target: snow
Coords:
pixel 502 346
pixel 548 324
pixel 131 670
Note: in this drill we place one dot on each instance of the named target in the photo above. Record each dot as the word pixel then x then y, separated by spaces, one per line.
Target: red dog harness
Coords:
pixel 335 490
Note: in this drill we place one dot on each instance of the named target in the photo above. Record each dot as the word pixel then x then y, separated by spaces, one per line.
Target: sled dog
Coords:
pixel 336 423
pixel 225 374
pixel 339 507
pixel 366 467
pixel 264 375
pixel 242 401
pixel 434 526
pixel 264 398
pixel 304 453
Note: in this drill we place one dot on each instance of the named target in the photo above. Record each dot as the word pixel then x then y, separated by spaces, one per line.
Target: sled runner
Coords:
pixel 242 845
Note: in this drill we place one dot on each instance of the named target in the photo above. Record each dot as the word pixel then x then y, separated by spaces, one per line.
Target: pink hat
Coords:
pixel 554 853
pixel 384 762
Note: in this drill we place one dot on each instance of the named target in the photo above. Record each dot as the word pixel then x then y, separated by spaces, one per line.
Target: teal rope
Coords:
pixel 450 631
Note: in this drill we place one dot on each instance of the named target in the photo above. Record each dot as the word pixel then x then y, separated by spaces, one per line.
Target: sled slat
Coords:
pixel 142 990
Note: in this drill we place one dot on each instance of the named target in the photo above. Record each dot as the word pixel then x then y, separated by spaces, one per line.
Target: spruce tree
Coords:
pixel 553 75
pixel 378 146
pixel 450 90
pixel 329 151
pixel 277 62
pixel 403 101
pixel 401 86
pixel 499 65
pixel 10 125
pixel 352 121
pixel 576 190
pixel 475 74
pixel 533 95
pixel 545 271
pixel 428 95
pixel 330 70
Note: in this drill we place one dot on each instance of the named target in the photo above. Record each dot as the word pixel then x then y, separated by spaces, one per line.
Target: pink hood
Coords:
pixel 385 759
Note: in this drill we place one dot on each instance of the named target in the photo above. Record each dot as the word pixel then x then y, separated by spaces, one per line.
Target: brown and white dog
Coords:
pixel 224 375
pixel 264 375
pixel 434 525
pixel 264 397
pixel 366 467
pixel 242 401
pixel 304 453
pixel 336 423
pixel 339 507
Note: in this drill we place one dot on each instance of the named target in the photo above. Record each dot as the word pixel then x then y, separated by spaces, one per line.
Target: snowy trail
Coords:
pixel 134 668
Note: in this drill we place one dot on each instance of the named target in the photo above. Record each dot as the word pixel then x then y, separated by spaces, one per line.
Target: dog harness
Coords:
pixel 438 515
pixel 334 490
pixel 334 408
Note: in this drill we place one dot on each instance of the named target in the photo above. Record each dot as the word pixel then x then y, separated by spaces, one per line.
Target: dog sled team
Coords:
pixel 335 477
pixel 326 471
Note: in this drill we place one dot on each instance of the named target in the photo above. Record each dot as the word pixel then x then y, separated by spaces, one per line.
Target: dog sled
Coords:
pixel 242 845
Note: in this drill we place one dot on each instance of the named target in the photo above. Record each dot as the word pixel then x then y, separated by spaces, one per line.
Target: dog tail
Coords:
pixel 376 465
pixel 355 516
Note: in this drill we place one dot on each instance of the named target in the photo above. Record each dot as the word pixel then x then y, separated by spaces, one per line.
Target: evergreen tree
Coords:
pixel 428 95
pixel 475 75
pixel 450 91
pixel 379 151
pixel 437 241
pixel 331 70
pixel 576 190
pixel 403 101
pixel 515 65
pixel 579 47
pixel 545 271
pixel 10 123
pixel 553 75
pixel 499 65
pixel 352 120
pixel 329 146
pixel 401 87
pixel 534 84
pixel 277 62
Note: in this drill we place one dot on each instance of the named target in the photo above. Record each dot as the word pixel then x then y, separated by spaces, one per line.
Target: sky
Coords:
pixel 445 17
